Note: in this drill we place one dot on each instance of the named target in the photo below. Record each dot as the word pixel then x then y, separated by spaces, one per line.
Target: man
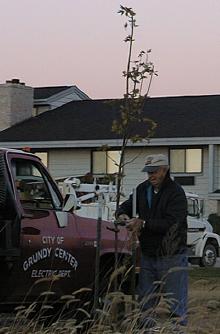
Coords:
pixel 162 211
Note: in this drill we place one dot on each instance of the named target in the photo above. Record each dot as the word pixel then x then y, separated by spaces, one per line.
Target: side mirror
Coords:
pixel 197 209
pixel 193 207
pixel 70 203
pixel 202 207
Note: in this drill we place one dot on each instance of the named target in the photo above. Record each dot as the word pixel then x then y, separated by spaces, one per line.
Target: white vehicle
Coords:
pixel 203 244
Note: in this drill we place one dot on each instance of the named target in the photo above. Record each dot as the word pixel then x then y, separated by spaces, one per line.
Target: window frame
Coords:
pixel 183 173
pixel 49 184
pixel 106 162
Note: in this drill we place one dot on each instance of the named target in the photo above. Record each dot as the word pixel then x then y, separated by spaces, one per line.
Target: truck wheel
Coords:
pixel 209 256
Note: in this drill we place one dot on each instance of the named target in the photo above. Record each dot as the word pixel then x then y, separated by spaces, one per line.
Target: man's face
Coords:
pixel 156 178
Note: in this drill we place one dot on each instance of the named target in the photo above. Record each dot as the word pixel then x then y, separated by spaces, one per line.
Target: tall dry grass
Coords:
pixel 118 313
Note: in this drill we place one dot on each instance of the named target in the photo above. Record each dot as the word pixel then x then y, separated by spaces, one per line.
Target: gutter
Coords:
pixel 197 141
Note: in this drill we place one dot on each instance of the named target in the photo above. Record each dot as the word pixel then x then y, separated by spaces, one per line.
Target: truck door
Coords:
pixel 48 250
pixel 9 216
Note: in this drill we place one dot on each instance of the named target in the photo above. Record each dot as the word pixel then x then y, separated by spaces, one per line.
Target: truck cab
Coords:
pixel 43 244
pixel 203 244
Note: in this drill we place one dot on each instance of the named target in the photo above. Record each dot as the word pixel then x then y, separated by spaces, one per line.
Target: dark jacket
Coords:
pixel 165 230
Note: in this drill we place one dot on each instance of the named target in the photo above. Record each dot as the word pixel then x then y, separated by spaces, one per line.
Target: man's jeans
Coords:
pixel 167 276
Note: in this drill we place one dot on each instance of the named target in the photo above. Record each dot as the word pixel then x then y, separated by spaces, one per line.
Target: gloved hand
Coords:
pixel 135 224
pixel 123 218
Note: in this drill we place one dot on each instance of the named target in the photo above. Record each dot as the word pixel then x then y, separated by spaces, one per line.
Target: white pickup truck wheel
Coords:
pixel 209 256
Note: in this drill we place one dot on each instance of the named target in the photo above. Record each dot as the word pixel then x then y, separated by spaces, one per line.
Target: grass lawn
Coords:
pixel 203 307
pixel 204 300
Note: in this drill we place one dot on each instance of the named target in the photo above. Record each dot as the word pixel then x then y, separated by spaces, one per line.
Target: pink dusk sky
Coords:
pixel 80 42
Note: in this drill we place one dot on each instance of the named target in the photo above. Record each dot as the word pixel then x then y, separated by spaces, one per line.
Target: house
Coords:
pixel 71 136
pixel 30 101
pixel 48 98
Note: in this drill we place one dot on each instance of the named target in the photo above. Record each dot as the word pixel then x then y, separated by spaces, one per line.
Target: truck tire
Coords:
pixel 209 256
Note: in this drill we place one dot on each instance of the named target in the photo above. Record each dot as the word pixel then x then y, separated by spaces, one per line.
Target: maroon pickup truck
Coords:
pixel 43 243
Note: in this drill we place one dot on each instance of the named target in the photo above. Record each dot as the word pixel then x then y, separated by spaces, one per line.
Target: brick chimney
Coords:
pixel 16 103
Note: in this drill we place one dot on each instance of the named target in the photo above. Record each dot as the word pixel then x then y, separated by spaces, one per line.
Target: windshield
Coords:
pixel 193 207
pixel 33 186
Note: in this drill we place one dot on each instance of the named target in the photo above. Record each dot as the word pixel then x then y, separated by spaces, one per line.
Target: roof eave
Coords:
pixel 199 141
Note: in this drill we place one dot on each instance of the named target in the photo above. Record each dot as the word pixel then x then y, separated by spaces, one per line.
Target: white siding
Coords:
pixel 40 109
pixel 214 205
pixel 217 167
pixel 134 176
pixel 201 180
pixel 201 183
pixel 67 162
pixel 136 159
pixel 64 99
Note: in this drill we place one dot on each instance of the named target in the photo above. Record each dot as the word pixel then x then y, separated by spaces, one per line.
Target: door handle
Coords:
pixel 30 230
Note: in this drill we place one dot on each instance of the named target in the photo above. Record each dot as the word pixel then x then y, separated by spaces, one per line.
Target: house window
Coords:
pixel 43 156
pixel 186 160
pixel 105 162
